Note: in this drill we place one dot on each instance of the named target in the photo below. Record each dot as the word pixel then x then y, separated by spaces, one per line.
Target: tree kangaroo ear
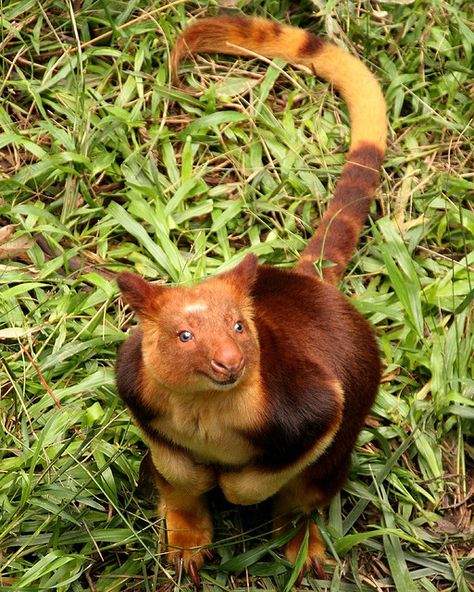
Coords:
pixel 138 293
pixel 243 275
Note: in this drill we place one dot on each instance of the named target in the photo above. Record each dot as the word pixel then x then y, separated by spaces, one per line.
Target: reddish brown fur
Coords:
pixel 267 396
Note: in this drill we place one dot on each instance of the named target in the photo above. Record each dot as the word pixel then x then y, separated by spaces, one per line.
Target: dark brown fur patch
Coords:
pixel 276 30
pixel 355 174
pixel 356 186
pixel 351 205
pixel 324 340
pixel 338 232
pixel 259 33
pixel 128 378
pixel 340 237
pixel 311 45
pixel 369 155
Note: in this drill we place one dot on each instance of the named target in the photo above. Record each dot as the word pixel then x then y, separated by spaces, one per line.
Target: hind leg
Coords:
pixel 188 529
pixel 293 505
pixel 188 521
pixel 310 490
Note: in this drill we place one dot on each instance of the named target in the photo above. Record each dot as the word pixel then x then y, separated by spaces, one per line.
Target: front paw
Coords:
pixel 242 488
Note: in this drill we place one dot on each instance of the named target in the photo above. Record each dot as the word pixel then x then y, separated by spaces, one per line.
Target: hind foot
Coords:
pixel 314 559
pixel 188 534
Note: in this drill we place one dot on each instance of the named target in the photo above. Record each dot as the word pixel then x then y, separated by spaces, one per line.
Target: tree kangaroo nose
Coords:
pixel 227 360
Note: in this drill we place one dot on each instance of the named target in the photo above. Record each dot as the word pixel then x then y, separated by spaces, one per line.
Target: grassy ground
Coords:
pixel 106 167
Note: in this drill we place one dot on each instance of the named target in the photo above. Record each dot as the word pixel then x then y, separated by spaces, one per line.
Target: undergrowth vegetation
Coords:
pixel 106 167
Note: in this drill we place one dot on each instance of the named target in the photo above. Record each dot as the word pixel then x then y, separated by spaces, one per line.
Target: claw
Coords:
pixel 194 574
pixel 208 554
pixel 300 577
pixel 176 560
pixel 317 567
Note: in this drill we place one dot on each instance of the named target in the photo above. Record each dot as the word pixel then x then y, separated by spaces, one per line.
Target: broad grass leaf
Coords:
pixel 300 561
pixel 245 560
pixel 213 120
pixel 344 544
pixel 402 274
pixel 46 565
pixel 135 229
pixel 232 86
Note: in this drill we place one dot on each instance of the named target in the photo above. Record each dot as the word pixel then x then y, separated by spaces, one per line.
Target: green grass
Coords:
pixel 106 167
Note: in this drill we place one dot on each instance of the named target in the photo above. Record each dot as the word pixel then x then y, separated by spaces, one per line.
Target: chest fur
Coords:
pixel 208 428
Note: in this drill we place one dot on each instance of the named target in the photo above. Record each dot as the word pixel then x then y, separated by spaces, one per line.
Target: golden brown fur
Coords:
pixel 258 380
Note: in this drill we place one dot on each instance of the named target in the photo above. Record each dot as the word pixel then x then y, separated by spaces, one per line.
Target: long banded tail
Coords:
pixel 339 230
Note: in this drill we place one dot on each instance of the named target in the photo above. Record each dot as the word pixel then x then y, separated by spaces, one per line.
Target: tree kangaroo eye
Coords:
pixel 238 327
pixel 185 336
